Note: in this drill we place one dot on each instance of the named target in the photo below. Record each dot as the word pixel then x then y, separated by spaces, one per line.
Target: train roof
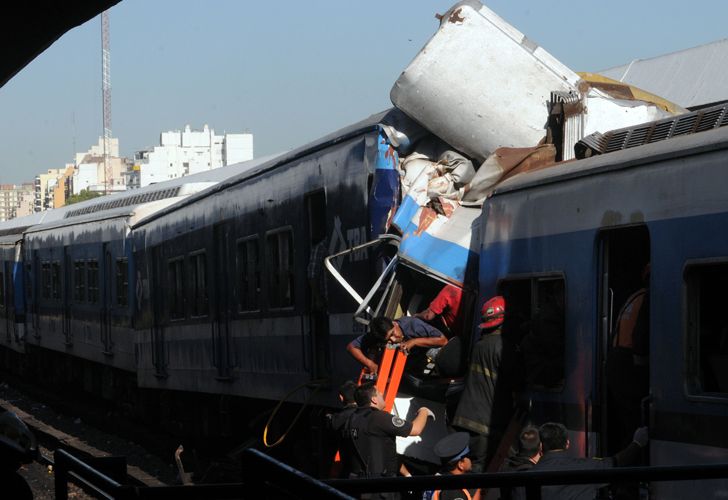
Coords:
pixel 137 203
pixel 366 125
pixel 675 147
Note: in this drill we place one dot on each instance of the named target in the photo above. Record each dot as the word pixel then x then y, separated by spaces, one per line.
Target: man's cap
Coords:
pixel 453 447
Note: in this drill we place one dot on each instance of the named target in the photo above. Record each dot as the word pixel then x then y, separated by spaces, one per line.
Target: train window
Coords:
pixel 2 288
pixel 176 289
pixel 536 319
pixel 79 281
pixel 92 281
pixel 248 270
pixel 56 280
pixel 280 272
pixel 198 285
pixel 45 276
pixel 122 282
pixel 707 328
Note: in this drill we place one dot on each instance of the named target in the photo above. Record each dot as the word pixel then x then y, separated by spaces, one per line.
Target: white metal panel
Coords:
pixel 420 447
pixel 688 77
pixel 480 84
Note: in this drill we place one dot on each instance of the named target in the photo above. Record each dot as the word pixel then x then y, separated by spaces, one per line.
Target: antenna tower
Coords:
pixel 106 95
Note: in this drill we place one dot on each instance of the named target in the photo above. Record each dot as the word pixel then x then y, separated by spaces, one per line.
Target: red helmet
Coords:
pixel 493 312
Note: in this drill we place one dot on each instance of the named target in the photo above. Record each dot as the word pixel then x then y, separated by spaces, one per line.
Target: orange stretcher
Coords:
pixel 391 368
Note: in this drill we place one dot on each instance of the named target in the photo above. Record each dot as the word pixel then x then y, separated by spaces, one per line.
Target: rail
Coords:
pixel 264 476
pixel 532 480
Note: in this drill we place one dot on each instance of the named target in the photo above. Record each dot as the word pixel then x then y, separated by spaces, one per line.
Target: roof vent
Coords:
pixel 127 201
pixel 646 133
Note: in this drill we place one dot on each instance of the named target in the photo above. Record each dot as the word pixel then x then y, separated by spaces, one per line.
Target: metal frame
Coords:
pixel 264 475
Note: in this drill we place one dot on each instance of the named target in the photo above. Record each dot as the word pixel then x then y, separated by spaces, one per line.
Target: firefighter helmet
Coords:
pixel 493 312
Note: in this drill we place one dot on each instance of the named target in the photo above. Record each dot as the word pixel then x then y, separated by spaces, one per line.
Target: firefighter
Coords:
pixel 486 403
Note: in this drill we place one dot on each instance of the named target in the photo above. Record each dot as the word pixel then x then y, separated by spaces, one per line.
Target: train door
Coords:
pixel 66 313
pixel 315 209
pixel 106 298
pixel 5 299
pixel 35 294
pixel 159 354
pixel 10 302
pixel 224 300
pixel 623 378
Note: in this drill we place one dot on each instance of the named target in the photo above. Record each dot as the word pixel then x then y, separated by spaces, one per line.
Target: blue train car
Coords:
pixel 571 243
pixel 67 290
pixel 12 291
pixel 230 306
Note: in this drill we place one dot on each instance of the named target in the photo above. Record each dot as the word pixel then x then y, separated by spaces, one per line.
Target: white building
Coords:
pixel 188 152
pixel 43 188
pixel 16 201
pixel 91 175
pixel 90 172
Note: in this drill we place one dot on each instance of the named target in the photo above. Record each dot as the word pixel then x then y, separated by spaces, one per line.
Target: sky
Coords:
pixel 287 71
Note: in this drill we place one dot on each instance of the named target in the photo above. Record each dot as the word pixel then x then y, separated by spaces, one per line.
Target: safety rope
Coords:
pixel 317 384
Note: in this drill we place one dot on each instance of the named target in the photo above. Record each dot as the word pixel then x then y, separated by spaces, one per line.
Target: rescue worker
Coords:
pixel 408 332
pixel 372 432
pixel 17 446
pixel 337 423
pixel 628 363
pixel 448 310
pixel 486 404
pixel 446 307
pixel 527 455
pixel 554 445
pixel 453 452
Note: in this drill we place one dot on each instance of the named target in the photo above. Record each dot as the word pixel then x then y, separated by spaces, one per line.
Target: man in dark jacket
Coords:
pixel 407 332
pixel 337 423
pixel 555 443
pixel 486 404
pixel 528 455
pixel 372 433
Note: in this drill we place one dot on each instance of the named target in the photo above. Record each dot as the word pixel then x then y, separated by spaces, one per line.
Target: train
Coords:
pixel 191 297
pixel 187 303
pixel 587 230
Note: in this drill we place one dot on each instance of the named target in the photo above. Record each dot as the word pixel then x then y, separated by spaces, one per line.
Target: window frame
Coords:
pixel 257 274
pixel 534 278
pixel 56 286
pixel 690 348
pixel 271 281
pixel 79 289
pixel 45 280
pixel 193 259
pixel 176 305
pixel 93 292
pixel 121 284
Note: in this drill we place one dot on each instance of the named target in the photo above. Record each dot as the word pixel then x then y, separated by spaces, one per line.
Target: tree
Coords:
pixel 83 195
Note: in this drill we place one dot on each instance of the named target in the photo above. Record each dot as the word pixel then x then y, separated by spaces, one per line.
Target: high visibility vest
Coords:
pixel 627 319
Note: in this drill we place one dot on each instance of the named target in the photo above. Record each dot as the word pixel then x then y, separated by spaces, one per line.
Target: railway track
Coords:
pixel 58 426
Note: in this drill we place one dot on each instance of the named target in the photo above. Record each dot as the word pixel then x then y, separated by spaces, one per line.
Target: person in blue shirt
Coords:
pixel 407 332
